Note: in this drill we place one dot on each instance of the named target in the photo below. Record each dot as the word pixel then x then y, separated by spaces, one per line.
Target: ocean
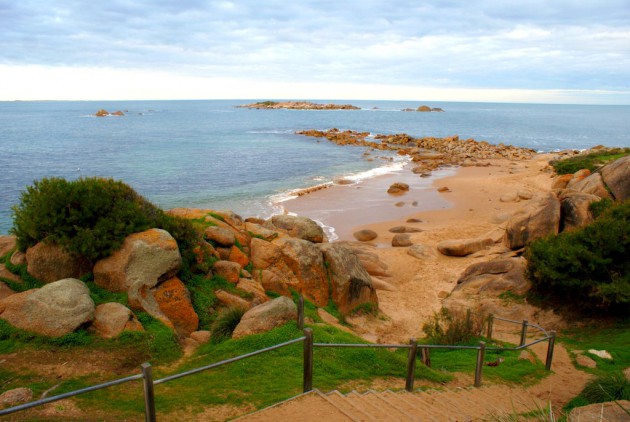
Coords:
pixel 210 154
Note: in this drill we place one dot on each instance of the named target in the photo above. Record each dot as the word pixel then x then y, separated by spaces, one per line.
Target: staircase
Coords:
pixel 460 404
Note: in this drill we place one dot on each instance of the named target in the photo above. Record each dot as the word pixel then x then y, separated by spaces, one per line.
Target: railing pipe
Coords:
pixel 552 342
pixel 225 362
pixel 366 345
pixel 47 400
pixel 479 368
pixel 411 364
pixel 523 333
pixel 149 396
pixel 307 384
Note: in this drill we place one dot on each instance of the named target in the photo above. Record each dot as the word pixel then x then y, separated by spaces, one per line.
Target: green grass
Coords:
pixel 591 161
pixel 613 338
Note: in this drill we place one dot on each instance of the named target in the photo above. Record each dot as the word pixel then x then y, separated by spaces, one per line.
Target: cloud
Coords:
pixel 447 44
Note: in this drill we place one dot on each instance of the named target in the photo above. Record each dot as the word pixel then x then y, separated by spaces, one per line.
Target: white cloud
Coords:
pixel 511 47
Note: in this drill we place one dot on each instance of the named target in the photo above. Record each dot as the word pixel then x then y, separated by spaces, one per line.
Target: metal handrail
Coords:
pixel 309 345
pixel 69 394
pixel 225 362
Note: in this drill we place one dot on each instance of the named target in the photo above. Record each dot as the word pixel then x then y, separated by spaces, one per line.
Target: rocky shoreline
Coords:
pixel 297 105
pixel 427 153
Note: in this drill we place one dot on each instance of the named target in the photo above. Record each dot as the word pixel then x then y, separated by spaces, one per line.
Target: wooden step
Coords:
pixel 348 408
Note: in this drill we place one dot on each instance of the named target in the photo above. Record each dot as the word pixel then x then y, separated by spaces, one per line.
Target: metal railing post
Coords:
pixel 523 333
pixel 300 320
pixel 479 368
pixel 490 326
pixel 552 342
pixel 308 360
pixel 411 364
pixel 425 352
pixel 149 396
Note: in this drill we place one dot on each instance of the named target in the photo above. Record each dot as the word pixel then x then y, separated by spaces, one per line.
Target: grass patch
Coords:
pixel 204 300
pixel 511 297
pixel 28 281
pixel 610 381
pixel 591 161
pixel 225 323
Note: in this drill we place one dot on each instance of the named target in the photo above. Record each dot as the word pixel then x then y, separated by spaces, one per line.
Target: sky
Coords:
pixel 537 51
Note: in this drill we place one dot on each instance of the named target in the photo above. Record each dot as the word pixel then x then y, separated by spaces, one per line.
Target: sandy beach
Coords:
pixel 471 207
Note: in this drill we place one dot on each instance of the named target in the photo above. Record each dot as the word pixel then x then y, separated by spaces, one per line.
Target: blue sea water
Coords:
pixel 210 154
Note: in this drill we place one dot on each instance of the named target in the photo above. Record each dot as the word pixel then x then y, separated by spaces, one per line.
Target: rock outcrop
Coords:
pixel 351 284
pixel 538 218
pixel 575 209
pixel 494 277
pixel 298 105
pixel 144 260
pixel 56 309
pixel 307 264
pixel 266 317
pixel 463 247
pixel 111 319
pixel 7 244
pixel 300 227
pixel 48 262
pixel 616 176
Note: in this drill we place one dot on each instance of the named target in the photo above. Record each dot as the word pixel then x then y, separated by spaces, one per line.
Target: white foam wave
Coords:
pixel 271 131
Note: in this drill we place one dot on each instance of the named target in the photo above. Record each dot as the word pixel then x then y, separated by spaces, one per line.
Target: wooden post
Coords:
pixel 411 364
pixel 523 333
pixel 149 396
pixel 308 360
pixel 425 352
pixel 479 368
pixel 552 342
pixel 490 326
pixel 300 320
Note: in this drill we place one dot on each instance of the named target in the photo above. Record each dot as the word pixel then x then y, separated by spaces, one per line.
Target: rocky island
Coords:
pixel 298 105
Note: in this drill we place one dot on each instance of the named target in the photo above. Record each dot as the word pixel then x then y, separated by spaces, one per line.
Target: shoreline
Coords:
pixel 471 207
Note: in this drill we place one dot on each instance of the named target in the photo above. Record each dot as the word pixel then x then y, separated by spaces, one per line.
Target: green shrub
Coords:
pixel 591 161
pixel 226 322
pixel 589 265
pixel 91 217
pixel 610 387
pixel 454 327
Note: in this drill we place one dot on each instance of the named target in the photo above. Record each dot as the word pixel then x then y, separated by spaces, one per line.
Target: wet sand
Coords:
pixel 342 208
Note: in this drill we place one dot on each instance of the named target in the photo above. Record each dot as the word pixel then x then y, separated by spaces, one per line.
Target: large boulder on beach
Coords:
pixel 575 209
pixel 398 188
pixel 616 176
pixel 592 184
pixel 144 260
pixel 365 235
pixel 307 264
pixel 54 310
pixel 50 262
pixel 463 247
pixel 351 284
pixel 494 277
pixel 538 218
pixel 294 226
pixel 265 317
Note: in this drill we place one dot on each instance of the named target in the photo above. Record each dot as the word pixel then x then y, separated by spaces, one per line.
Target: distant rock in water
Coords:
pixel 102 113
pixel 298 105
pixel 424 109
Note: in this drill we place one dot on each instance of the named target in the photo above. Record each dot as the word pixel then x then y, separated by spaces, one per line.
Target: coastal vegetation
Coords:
pixel 591 161
pixel 589 264
pixel 91 217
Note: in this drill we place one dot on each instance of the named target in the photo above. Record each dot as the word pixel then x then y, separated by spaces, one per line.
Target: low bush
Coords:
pixel 226 323
pixel 591 161
pixel 91 217
pixel 609 387
pixel 589 265
pixel 454 327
